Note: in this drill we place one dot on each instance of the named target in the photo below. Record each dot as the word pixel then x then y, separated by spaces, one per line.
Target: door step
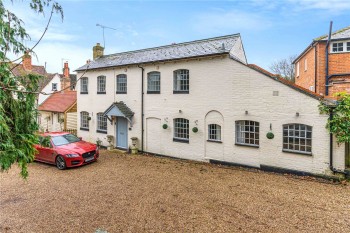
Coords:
pixel 119 151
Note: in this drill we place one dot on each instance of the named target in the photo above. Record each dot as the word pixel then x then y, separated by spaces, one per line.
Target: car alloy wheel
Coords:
pixel 60 163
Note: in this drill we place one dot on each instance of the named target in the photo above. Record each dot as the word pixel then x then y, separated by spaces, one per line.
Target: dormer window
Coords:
pixel 54 86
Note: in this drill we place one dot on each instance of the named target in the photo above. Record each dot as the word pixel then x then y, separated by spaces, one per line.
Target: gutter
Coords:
pixel 327 54
pixel 142 105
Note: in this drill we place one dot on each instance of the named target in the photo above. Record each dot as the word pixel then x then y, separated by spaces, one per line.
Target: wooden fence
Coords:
pixel 72 131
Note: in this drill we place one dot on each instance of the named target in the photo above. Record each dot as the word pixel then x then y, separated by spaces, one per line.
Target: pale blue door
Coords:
pixel 122 133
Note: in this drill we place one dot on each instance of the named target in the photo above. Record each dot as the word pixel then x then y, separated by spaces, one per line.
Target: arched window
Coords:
pixel 297 138
pixel 181 129
pixel 214 132
pixel 84 82
pixel 84 121
pixel 153 83
pixel 122 84
pixel 101 85
pixel 101 123
pixel 181 81
pixel 247 133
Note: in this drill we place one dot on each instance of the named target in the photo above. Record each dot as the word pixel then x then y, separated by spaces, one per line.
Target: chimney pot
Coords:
pixel 97 51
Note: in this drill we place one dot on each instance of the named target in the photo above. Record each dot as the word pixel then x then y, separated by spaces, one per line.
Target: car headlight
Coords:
pixel 72 155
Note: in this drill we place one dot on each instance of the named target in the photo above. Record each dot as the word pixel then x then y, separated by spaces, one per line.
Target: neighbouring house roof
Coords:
pixel 198 48
pixel 59 102
pixel 341 34
pixel 20 71
pixel 45 80
pixel 119 109
pixel 290 84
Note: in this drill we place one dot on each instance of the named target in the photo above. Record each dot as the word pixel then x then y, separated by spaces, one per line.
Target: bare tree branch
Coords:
pixel 284 67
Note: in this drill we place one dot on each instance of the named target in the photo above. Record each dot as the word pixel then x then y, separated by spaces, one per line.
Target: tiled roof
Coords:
pixel 343 33
pixel 20 71
pixel 286 82
pixel 45 80
pixel 122 107
pixel 198 48
pixel 59 102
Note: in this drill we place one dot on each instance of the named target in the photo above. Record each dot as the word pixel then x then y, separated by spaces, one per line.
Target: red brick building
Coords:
pixel 311 65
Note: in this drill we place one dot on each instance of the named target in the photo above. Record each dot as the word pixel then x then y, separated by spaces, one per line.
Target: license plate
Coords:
pixel 89 159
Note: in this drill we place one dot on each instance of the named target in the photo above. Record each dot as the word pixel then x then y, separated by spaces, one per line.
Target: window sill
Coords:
pixel 119 92
pixel 153 92
pixel 216 141
pixel 84 129
pixel 181 140
pixel 101 92
pixel 101 131
pixel 297 152
pixel 84 93
pixel 181 92
pixel 248 145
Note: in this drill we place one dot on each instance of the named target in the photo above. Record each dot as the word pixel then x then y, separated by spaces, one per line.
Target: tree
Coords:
pixel 18 94
pixel 284 67
pixel 339 123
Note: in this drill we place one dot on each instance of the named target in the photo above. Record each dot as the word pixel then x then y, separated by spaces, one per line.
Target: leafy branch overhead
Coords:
pixel 339 125
pixel 18 94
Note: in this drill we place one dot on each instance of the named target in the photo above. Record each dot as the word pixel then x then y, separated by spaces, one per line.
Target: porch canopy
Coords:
pixel 119 109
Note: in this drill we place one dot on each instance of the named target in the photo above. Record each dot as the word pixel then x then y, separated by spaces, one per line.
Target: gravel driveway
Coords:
pixel 123 193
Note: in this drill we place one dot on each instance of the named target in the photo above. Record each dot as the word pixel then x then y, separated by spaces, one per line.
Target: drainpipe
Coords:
pixel 142 105
pixel 315 68
pixel 327 53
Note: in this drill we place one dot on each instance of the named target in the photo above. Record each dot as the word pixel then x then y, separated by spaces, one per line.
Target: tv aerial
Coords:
pixel 103 32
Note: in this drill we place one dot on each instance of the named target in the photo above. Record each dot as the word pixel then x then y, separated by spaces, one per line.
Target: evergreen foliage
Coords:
pixel 18 95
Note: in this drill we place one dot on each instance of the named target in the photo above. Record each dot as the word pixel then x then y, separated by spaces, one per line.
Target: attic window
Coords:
pixel 54 86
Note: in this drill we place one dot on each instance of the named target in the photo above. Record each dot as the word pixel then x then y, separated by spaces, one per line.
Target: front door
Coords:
pixel 347 155
pixel 122 133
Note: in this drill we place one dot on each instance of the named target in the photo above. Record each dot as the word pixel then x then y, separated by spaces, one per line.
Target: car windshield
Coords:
pixel 64 139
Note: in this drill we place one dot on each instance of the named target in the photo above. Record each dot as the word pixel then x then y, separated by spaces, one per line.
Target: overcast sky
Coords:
pixel 270 29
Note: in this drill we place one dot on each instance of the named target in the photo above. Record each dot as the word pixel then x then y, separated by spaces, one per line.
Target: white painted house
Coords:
pixel 205 85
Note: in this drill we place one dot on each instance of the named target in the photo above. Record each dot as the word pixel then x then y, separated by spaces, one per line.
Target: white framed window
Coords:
pixel 247 133
pixel 337 47
pixel 101 123
pixel 297 69
pixel 214 132
pixel 153 82
pixel 297 138
pixel 181 81
pixel 84 85
pixel 181 129
pixel 312 88
pixel 54 86
pixel 101 85
pixel 348 46
pixel 84 120
pixel 305 64
pixel 122 84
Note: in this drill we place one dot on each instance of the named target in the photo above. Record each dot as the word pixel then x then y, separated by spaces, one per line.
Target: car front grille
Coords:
pixel 89 154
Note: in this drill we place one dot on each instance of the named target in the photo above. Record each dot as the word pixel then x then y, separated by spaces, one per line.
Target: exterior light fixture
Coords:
pixel 297 114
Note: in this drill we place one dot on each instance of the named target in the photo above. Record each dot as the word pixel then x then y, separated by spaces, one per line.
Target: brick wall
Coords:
pixel 338 63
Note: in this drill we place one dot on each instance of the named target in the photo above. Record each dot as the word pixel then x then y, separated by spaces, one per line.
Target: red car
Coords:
pixel 65 150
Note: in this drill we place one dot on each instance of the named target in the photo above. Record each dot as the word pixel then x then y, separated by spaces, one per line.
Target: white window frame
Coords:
pixel 214 132
pixel 153 82
pixel 181 129
pixel 84 122
pixel 122 84
pixel 297 138
pixel 181 81
pixel 297 69
pixel 305 64
pixel 247 133
pixel 101 123
pixel 54 86
pixel 347 46
pixel 338 43
pixel 101 84
pixel 84 85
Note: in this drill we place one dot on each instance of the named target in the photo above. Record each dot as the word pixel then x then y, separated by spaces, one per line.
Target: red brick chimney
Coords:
pixel 65 80
pixel 27 61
